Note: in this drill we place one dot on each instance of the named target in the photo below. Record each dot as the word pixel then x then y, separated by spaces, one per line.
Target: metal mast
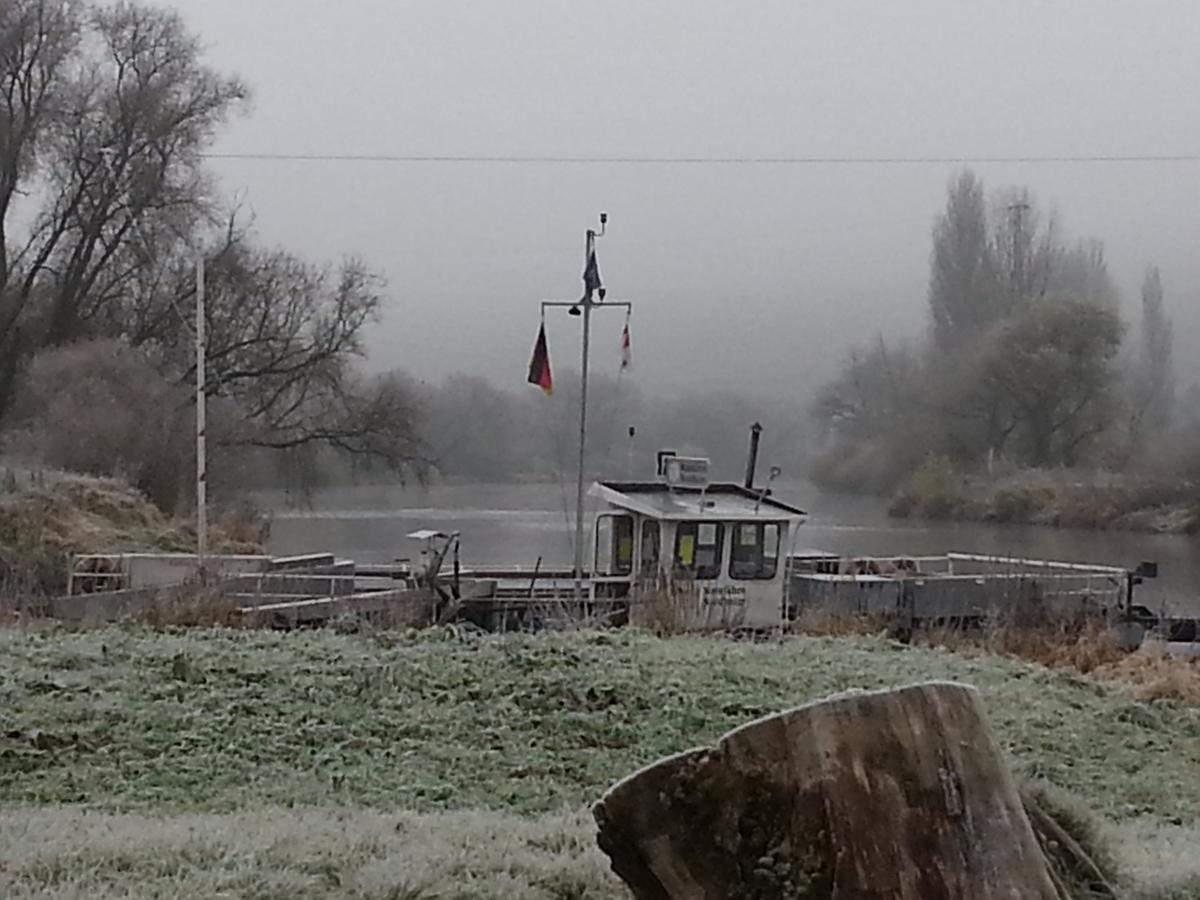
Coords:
pixel 593 298
pixel 589 258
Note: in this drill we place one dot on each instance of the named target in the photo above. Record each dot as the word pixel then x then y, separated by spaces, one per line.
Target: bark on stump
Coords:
pixel 899 794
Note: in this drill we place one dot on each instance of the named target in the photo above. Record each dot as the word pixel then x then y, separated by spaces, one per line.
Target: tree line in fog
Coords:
pixel 1025 362
pixel 475 429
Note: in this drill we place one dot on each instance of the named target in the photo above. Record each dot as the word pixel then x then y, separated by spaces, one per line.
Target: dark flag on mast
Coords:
pixel 591 277
pixel 539 365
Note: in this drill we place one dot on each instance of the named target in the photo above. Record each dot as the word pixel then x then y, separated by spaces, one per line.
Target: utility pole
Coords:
pixel 201 422
pixel 199 334
pixel 1019 249
pixel 593 298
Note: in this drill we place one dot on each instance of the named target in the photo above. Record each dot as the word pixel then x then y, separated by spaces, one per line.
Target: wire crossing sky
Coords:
pixel 707 160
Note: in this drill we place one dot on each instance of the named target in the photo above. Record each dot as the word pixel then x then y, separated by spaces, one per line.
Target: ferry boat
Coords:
pixel 684 553
pixel 678 552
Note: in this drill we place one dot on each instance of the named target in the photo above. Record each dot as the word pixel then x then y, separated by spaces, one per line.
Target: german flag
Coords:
pixel 539 365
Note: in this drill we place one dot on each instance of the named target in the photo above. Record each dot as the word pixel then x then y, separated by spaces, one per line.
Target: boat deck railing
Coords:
pixel 944 565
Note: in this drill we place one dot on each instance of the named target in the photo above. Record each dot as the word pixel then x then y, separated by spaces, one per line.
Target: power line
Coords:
pixel 702 160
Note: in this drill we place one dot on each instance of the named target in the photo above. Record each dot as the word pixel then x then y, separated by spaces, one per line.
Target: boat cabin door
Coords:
pixel 613 564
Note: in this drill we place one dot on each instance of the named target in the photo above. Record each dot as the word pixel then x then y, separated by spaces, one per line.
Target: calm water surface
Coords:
pixel 515 524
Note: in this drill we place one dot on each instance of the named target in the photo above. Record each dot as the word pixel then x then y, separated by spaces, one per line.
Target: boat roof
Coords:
pixel 719 500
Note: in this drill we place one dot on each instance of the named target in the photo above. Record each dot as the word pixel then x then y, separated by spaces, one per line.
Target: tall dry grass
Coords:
pixel 1155 674
pixel 1084 647
pixel 667 606
pixel 190 605
pixel 822 623
pixel 59 514
pixel 676 605
pixel 1149 672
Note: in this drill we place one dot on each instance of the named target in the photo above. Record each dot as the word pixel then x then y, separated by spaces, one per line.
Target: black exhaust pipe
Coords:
pixel 752 462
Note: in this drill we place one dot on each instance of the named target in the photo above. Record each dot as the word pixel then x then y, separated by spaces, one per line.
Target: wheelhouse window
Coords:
pixel 754 554
pixel 614 545
pixel 698 548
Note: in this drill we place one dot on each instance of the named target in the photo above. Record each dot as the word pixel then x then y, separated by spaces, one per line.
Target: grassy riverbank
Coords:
pixel 1099 501
pixel 46 516
pixel 245 763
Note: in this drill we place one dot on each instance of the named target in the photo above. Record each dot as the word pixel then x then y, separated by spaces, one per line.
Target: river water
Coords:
pixel 510 524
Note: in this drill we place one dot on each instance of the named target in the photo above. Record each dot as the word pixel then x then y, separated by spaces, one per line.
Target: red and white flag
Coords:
pixel 626 349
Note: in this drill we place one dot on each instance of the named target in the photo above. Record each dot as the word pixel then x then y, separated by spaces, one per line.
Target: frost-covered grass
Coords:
pixel 284 854
pixel 238 735
pixel 127 718
pixel 276 853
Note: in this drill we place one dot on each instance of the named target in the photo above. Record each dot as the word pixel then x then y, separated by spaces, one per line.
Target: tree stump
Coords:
pixel 899 794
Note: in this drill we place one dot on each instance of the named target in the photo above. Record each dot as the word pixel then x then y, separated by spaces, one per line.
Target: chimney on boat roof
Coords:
pixel 752 460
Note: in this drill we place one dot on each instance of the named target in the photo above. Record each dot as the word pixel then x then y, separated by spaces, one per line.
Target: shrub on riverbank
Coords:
pixel 936 491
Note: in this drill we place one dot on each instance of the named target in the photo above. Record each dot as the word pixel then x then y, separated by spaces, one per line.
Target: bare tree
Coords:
pixel 368 422
pixel 38 40
pixel 476 429
pixel 982 274
pixel 875 388
pixel 876 415
pixel 1025 249
pixel 284 340
pixel 109 110
pixel 106 114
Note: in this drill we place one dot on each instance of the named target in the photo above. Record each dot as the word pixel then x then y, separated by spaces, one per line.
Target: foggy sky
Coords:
pixel 751 276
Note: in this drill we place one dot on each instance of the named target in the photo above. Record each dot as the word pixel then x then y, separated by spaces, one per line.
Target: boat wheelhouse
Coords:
pixel 708 554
